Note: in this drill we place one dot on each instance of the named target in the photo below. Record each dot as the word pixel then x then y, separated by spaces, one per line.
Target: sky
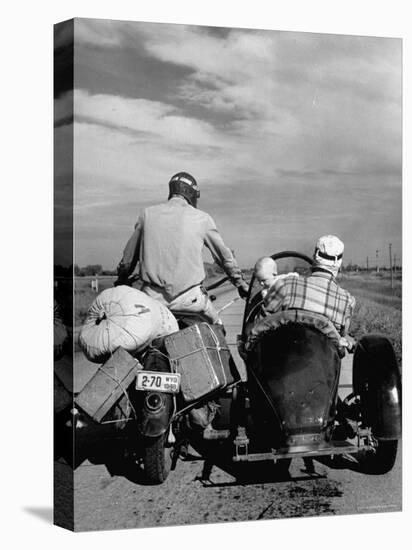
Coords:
pixel 290 135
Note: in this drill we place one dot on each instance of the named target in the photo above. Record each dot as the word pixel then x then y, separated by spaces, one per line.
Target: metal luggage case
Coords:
pixel 201 356
pixel 108 385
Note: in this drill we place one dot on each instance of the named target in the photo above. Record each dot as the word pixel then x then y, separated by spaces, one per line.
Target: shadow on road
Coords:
pixel 340 462
pixel 219 455
pixel 112 452
pixel 98 445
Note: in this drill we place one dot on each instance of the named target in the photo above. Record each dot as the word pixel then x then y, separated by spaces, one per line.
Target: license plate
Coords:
pixel 158 381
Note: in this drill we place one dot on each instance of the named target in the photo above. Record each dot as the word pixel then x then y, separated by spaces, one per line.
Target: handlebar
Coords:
pixel 128 282
pixel 217 283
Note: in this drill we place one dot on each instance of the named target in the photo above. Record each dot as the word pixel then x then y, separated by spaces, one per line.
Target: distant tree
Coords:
pixel 350 267
pixel 91 270
pixel 76 270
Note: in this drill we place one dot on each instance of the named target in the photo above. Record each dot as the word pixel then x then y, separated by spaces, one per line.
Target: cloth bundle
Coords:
pixel 123 317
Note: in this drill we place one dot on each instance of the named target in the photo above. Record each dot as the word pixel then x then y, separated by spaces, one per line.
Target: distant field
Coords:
pixel 375 287
pixel 84 295
pixel 378 306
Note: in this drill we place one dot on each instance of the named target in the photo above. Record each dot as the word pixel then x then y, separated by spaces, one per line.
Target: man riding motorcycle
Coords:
pixel 168 241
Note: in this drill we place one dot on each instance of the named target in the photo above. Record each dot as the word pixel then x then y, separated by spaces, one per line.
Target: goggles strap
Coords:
pixel 328 257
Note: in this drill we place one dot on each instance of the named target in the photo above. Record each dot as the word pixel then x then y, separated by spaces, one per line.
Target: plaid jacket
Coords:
pixel 318 292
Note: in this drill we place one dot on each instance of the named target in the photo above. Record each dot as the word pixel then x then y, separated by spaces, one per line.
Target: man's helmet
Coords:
pixel 328 253
pixel 185 185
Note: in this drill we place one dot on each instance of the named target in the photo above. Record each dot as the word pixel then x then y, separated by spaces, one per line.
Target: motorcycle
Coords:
pixel 289 406
pixel 136 400
pixel 165 420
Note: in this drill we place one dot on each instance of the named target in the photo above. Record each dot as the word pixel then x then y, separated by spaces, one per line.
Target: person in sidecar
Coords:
pixel 167 242
pixel 266 273
pixel 318 292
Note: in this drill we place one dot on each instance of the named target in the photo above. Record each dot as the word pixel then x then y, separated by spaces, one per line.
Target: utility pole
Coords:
pixel 390 263
pixel 377 261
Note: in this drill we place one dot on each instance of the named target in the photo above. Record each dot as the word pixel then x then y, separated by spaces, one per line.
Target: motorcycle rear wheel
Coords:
pixel 157 459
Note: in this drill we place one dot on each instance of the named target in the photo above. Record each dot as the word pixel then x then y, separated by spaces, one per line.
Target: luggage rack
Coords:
pixel 216 394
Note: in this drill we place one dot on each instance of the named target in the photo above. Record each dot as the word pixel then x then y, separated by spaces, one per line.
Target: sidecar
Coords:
pixel 292 404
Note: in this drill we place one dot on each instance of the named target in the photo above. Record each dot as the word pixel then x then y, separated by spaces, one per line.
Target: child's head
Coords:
pixel 266 271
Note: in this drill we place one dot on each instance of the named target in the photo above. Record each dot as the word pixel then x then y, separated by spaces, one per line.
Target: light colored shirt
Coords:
pixel 317 292
pixel 168 241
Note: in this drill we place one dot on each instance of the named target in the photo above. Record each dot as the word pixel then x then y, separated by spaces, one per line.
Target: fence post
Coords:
pixel 94 283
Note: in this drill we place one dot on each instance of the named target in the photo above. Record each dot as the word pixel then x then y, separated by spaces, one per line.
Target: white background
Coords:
pixel 26 254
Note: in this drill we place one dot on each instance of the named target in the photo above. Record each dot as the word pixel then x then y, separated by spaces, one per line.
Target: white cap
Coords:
pixel 328 253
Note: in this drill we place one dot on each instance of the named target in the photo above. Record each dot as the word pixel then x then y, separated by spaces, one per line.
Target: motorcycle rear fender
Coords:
pixel 152 423
pixel 377 381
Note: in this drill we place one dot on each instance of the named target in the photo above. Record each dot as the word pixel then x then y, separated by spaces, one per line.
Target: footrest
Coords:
pixel 241 443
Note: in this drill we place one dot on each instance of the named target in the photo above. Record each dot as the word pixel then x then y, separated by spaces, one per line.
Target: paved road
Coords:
pixel 109 498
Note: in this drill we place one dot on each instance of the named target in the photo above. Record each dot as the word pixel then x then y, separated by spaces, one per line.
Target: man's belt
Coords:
pixel 162 289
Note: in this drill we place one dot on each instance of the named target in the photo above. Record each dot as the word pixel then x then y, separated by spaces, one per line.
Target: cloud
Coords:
pixel 253 70
pixel 302 99
pixel 302 130
pixel 223 67
pixel 143 116
pixel 229 58
pixel 238 63
pixel 99 32
pixel 316 101
pixel 136 142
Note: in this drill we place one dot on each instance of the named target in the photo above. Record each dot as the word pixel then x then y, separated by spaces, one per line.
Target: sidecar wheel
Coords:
pixel 382 460
pixel 377 382
pixel 157 458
